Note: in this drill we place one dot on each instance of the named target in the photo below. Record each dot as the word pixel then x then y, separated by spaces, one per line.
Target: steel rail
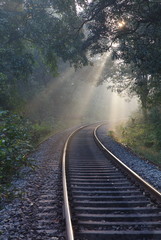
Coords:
pixel 67 214
pixel 148 187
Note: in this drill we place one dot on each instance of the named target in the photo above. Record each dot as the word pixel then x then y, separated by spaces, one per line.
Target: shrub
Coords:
pixel 40 131
pixel 144 137
pixel 15 144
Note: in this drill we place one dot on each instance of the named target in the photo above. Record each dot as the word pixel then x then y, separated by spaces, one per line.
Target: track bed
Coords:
pixel 104 202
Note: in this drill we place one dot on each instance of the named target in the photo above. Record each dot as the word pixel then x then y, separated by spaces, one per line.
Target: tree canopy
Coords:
pixel 43 25
pixel 132 31
pixel 53 29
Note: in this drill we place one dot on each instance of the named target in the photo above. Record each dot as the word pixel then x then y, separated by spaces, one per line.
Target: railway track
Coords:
pixel 104 199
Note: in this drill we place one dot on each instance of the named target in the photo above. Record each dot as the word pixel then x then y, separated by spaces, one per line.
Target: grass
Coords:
pixel 141 137
pixel 45 130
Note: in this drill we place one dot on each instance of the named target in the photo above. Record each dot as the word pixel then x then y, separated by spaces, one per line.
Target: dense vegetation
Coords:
pixel 143 137
pixel 15 144
pixel 37 37
pixel 132 31
pixel 34 33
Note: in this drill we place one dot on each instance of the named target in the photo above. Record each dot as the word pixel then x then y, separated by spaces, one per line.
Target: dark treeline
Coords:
pixel 132 31
pixel 35 35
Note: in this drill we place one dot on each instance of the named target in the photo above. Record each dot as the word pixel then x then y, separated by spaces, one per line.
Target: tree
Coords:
pixel 132 31
pixel 43 25
pixel 15 60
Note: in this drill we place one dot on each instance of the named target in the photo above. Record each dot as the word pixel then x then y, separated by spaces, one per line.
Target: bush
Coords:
pixel 40 131
pixel 155 119
pixel 144 137
pixel 15 144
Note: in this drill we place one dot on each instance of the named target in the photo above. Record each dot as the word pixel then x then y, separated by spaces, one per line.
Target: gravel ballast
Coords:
pixel 38 214
pixel 148 171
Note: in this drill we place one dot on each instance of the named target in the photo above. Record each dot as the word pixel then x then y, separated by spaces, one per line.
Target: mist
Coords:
pixel 75 97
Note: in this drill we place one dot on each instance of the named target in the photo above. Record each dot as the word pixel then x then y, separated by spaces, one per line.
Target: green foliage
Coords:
pixel 40 132
pixel 134 27
pixel 136 133
pixel 18 137
pixel 155 120
pixel 15 144
pixel 144 137
pixel 47 27
pixel 4 91
pixel 15 61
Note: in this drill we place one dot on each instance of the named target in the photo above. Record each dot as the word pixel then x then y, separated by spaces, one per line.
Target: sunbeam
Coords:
pixel 75 97
pixel 120 109
pixel 94 75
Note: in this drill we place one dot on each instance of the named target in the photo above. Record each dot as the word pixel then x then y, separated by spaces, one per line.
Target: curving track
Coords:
pixel 104 202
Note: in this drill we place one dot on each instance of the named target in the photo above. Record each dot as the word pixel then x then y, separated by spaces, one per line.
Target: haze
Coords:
pixel 74 98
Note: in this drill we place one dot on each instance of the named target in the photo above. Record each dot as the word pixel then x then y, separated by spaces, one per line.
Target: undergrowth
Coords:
pixel 142 136
pixel 15 145
pixel 18 137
